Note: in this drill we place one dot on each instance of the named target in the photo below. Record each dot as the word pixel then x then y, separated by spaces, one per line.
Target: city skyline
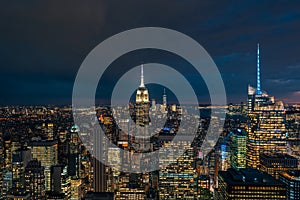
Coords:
pixel 149 100
pixel 43 49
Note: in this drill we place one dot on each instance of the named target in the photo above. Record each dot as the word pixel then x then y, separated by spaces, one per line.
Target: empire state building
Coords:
pixel 142 103
pixel 142 118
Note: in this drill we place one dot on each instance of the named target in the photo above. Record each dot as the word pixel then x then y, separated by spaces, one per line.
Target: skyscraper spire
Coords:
pixel 142 76
pixel 258 91
pixel 164 98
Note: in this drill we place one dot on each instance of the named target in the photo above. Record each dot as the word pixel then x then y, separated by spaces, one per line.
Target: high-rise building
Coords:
pixel 73 153
pixel 292 122
pixel 273 164
pixel 142 103
pixel 238 149
pixel 56 179
pixel 7 183
pixel 224 157
pixel 142 119
pixel 66 183
pixel 291 179
pixel 133 185
pixel 7 153
pixel 99 178
pixel 248 183
pixel 266 133
pixel 99 169
pixel 35 180
pixel 45 151
pixel 266 126
pixel 176 180
pixel 77 189
pixel 86 172
pixel 20 158
pixel 47 129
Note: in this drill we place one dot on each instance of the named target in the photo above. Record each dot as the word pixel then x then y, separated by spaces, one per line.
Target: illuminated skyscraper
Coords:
pixel 35 180
pixel 137 186
pixel 142 103
pixel 45 151
pixel 20 158
pixel 176 181
pixel 266 125
pixel 74 164
pixel 142 119
pixel 73 153
pixel 238 149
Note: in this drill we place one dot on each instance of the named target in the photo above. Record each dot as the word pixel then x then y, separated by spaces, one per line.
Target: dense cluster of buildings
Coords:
pixel 256 157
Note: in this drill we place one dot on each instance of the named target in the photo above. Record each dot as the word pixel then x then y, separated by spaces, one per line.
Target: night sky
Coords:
pixel 43 43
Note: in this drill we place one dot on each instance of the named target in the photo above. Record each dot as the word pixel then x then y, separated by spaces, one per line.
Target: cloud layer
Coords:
pixel 44 42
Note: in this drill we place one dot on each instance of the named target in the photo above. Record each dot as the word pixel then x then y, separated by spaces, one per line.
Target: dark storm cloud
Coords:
pixel 44 42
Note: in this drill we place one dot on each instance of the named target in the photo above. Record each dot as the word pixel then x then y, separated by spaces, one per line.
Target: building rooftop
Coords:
pixel 275 160
pixel 43 143
pixel 248 176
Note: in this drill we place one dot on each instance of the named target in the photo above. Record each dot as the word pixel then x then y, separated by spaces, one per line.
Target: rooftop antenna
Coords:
pixel 142 76
pixel 258 91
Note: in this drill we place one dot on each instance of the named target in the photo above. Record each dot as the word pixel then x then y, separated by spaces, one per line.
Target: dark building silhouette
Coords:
pixel 35 180
pixel 273 164
pixel 249 183
pixel 291 179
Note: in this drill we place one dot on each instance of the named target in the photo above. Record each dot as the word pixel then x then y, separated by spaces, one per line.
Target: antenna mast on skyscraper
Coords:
pixel 258 91
pixel 142 76
pixel 164 98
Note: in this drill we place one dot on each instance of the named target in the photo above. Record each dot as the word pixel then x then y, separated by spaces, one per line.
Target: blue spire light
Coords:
pixel 258 91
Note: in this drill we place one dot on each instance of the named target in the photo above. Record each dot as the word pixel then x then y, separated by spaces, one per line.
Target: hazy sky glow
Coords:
pixel 43 43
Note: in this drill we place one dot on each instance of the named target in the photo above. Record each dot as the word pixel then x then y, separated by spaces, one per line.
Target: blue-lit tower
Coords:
pixel 266 124
pixel 258 91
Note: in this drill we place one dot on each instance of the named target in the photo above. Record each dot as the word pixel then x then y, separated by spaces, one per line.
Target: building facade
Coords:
pixel 238 149
pixel 249 183
pixel 274 164
pixel 291 179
